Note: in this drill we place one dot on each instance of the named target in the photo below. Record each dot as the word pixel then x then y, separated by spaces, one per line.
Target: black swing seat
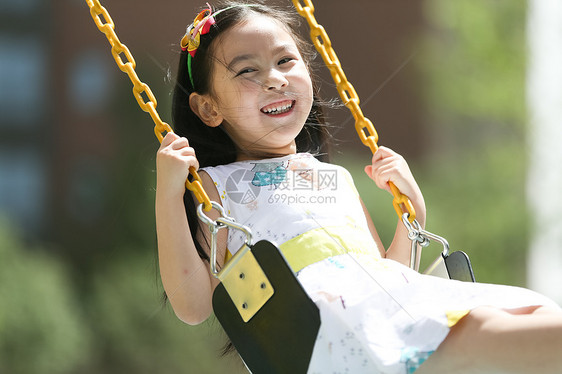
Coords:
pixel 455 265
pixel 280 337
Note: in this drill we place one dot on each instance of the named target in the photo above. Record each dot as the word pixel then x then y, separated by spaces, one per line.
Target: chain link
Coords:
pixel 363 125
pixel 127 64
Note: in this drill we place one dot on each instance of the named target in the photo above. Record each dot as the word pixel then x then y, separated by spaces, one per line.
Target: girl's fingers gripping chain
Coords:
pixel 168 139
pixel 174 159
pixel 180 143
pixel 388 166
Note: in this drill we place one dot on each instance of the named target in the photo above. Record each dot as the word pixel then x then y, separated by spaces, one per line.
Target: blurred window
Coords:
pixel 18 6
pixel 89 82
pixel 22 187
pixel 22 81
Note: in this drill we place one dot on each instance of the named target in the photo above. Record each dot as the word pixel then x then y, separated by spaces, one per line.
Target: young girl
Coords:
pixel 246 102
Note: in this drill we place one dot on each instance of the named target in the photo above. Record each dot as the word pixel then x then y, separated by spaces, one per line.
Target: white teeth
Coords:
pixel 279 110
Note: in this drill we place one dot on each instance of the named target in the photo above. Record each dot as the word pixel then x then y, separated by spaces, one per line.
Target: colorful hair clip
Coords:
pixel 201 25
pixel 192 38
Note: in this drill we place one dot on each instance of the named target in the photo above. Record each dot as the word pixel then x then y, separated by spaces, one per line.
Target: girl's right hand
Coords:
pixel 173 160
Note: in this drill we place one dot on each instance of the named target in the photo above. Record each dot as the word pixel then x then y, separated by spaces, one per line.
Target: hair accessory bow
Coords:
pixel 200 26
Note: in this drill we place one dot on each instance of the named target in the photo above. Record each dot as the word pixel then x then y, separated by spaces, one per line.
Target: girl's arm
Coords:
pixel 186 278
pixel 373 230
pixel 388 166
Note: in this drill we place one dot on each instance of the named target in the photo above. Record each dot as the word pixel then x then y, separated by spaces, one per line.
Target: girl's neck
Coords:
pixel 261 155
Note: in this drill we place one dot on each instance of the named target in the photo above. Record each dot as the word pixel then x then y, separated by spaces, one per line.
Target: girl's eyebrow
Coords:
pixel 239 58
pixel 250 56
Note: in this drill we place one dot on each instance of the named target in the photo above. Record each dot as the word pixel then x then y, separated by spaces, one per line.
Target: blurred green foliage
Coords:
pixel 475 62
pixel 473 177
pixel 138 333
pixel 474 201
pixel 117 324
pixel 42 329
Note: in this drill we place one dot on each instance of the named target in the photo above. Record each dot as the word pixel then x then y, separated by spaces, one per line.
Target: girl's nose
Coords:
pixel 275 80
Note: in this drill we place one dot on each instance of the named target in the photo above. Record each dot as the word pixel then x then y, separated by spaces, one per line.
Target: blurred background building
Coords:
pixel 26 121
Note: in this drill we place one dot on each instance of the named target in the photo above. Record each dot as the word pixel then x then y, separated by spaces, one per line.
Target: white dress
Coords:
pixel 377 316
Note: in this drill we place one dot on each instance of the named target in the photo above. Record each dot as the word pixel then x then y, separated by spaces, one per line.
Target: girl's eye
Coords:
pixel 285 60
pixel 245 71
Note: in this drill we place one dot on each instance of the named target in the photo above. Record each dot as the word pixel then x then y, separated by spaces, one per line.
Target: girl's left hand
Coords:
pixel 388 166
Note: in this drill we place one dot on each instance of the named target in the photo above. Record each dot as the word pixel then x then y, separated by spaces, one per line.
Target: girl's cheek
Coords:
pixel 251 83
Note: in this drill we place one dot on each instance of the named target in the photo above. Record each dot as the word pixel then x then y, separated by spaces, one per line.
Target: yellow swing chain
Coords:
pixel 127 65
pixel 363 125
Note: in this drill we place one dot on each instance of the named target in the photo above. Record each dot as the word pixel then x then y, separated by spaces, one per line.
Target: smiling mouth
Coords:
pixel 278 108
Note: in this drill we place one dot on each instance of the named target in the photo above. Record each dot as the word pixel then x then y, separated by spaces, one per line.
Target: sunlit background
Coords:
pixel 469 91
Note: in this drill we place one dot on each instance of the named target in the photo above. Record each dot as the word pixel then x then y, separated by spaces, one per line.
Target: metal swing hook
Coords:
pixel 242 276
pixel 214 226
pixel 421 237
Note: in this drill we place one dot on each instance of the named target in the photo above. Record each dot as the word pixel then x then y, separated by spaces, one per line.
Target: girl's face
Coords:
pixel 262 87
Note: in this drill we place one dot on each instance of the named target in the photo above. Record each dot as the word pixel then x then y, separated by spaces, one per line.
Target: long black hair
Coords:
pixel 212 145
